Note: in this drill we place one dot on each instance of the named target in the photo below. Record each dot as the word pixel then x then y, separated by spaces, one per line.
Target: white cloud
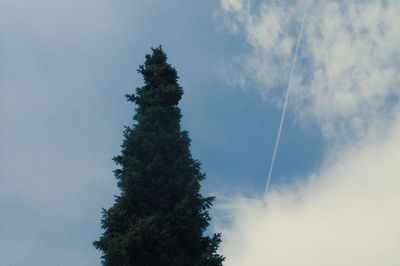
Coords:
pixel 346 214
pixel 348 80
pixel 348 68
pixel 234 5
pixel 354 56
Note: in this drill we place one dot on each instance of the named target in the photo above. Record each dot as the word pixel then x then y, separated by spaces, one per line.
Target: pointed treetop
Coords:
pixel 161 82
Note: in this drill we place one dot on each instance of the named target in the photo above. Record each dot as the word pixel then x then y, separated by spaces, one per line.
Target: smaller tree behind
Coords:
pixel 160 216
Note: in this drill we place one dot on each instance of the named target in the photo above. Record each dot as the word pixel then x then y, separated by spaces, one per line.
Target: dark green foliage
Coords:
pixel 160 216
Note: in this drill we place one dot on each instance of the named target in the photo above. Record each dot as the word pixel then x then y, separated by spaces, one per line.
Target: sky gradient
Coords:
pixel 65 68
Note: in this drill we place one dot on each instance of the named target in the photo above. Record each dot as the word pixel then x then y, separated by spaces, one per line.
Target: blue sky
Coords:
pixel 65 68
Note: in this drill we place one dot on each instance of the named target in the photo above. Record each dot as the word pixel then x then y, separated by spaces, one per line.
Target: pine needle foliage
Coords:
pixel 160 217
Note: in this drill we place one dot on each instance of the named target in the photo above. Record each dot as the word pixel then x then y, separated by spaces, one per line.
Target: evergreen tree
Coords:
pixel 160 216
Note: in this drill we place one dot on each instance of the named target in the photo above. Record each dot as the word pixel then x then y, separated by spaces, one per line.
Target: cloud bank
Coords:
pixel 346 80
pixel 346 214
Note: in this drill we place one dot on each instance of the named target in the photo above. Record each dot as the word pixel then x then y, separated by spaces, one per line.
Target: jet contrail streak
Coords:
pixel 285 104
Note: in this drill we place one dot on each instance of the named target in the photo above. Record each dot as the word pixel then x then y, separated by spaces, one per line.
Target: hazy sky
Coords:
pixel 65 67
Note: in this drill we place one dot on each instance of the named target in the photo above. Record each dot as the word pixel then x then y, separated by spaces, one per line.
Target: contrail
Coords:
pixel 285 103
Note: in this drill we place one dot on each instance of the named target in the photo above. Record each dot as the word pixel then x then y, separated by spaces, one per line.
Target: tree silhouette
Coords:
pixel 160 217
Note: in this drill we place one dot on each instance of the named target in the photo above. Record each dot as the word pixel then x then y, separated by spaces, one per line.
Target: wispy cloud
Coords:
pixel 348 71
pixel 348 81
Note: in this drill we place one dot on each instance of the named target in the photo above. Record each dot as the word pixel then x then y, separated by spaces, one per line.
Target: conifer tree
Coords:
pixel 160 217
